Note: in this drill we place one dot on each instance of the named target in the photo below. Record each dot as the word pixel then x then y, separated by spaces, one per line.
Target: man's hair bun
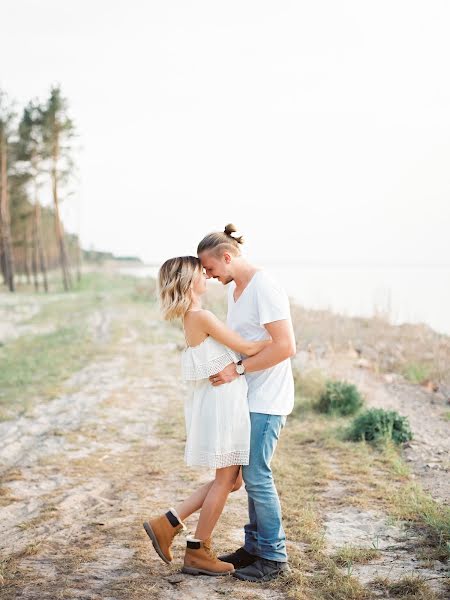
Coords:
pixel 229 229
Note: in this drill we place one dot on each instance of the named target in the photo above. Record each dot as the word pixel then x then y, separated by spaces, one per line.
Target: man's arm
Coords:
pixel 281 348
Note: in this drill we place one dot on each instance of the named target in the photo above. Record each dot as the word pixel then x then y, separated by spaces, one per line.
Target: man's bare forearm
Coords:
pixel 269 357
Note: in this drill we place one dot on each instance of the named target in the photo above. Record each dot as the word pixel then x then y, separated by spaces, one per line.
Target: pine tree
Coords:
pixel 58 131
pixel 6 250
pixel 30 151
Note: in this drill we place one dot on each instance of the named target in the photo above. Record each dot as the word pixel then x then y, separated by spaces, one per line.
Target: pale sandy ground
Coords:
pixel 427 455
pixel 80 473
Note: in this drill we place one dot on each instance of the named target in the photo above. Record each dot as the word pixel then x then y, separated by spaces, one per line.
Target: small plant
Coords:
pixel 341 398
pixel 350 555
pixel 376 543
pixel 416 372
pixel 378 425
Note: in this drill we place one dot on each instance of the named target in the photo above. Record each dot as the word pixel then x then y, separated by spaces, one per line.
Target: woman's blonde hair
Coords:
pixel 175 279
pixel 222 241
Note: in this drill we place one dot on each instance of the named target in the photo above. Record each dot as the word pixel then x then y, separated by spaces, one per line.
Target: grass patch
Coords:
pixel 410 587
pixel 411 503
pixel 416 372
pixel 349 555
pixel 36 366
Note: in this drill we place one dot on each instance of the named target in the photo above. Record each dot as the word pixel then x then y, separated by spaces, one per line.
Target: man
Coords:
pixel 257 308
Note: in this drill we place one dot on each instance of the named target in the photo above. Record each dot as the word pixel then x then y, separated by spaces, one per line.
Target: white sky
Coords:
pixel 321 128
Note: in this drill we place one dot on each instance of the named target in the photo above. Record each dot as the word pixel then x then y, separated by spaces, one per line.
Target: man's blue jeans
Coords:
pixel 264 534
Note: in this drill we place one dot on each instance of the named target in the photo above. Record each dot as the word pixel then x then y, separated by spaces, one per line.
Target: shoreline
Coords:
pixel 380 308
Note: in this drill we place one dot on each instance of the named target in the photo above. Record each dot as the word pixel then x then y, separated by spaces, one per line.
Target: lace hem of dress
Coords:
pixel 204 370
pixel 217 461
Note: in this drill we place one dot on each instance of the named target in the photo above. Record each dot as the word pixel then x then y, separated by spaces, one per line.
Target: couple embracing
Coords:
pixel 240 391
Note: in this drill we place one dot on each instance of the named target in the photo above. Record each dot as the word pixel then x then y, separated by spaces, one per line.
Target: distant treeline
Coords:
pixel 36 175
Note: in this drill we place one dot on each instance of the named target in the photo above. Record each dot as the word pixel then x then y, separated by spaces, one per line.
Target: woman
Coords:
pixel 217 417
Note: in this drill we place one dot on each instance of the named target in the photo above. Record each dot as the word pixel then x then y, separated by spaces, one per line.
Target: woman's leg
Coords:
pixel 215 500
pixel 196 499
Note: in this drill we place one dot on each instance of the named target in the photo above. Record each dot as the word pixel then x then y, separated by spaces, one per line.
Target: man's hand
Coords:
pixel 225 376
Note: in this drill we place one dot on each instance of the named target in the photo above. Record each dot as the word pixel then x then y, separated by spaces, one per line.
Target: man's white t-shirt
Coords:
pixel 270 391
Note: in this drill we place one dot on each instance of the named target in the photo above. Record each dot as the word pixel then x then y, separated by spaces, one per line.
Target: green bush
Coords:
pixel 340 397
pixel 378 425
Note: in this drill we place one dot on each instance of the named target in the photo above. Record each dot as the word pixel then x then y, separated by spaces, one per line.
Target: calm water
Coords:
pixel 403 294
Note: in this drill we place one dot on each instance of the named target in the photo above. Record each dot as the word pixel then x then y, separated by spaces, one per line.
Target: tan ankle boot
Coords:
pixel 161 531
pixel 201 560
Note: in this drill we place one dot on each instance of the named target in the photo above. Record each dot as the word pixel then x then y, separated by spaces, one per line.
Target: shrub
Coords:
pixel 377 425
pixel 340 397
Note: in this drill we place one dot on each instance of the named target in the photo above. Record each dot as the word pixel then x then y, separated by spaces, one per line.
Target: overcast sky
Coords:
pixel 321 128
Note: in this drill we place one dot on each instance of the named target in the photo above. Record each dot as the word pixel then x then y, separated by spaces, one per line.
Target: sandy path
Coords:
pixel 80 474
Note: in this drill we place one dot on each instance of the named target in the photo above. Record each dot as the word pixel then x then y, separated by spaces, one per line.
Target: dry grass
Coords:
pixel 312 453
pixel 348 555
pixel 410 587
pixel 410 349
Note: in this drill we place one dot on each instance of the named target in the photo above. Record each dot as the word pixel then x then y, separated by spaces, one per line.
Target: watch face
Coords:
pixel 240 369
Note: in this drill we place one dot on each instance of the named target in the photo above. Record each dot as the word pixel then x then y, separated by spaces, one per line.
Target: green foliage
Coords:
pixel 35 366
pixel 378 425
pixel 416 372
pixel 340 397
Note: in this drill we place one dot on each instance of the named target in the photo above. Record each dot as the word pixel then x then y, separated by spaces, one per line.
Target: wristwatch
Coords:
pixel 240 368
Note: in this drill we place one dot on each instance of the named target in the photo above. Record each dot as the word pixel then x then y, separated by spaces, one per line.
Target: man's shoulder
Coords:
pixel 266 281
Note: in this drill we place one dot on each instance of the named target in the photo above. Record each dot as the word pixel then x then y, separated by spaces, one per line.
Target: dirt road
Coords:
pixel 81 472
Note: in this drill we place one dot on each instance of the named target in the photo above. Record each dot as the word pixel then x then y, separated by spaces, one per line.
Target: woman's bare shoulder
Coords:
pixel 198 316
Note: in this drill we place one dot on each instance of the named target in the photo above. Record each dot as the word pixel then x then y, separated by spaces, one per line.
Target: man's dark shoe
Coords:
pixel 239 559
pixel 262 570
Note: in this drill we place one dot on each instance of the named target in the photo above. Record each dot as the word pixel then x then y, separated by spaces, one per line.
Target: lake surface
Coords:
pixel 406 294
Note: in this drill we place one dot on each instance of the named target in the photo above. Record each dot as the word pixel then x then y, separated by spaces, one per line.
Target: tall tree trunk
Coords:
pixel 38 243
pixel 35 255
pixel 28 249
pixel 41 249
pixel 63 258
pixel 5 224
pixel 78 251
pixel 2 256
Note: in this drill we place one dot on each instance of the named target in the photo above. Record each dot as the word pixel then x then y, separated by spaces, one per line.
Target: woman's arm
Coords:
pixel 214 327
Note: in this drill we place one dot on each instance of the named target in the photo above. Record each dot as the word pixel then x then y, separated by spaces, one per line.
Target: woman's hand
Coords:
pixel 256 347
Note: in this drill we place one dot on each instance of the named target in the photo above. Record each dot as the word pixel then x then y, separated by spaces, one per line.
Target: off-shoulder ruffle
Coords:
pixel 206 359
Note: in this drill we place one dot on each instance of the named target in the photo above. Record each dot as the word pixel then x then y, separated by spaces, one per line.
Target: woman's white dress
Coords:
pixel 217 417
